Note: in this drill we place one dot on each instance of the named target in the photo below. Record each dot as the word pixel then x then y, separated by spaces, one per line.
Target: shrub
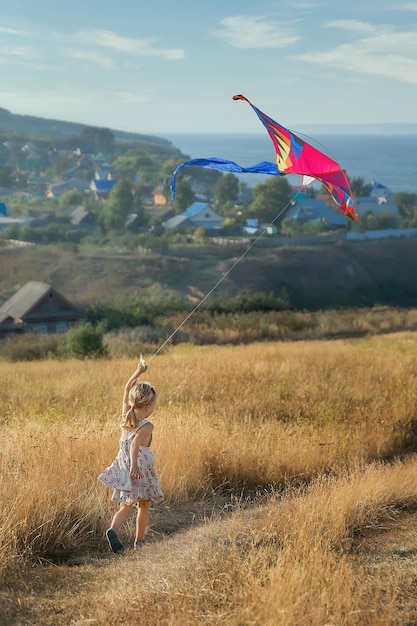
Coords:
pixel 84 341
pixel 247 301
pixel 30 347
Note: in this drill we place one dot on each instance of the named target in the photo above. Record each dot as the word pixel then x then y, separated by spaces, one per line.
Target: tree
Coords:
pixel 97 139
pixel 226 189
pixel 270 198
pixel 358 187
pixel 118 206
pixel 184 195
pixel 70 198
pixel 406 203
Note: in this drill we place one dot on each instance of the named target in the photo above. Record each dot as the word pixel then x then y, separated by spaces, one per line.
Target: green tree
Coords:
pixel 71 198
pixel 358 187
pixel 184 195
pixel 226 190
pixel 270 198
pixel 118 206
pixel 97 139
pixel 406 203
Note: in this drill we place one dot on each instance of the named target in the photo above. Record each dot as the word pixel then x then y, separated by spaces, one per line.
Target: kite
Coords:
pixel 215 163
pixel 296 156
pixel 293 156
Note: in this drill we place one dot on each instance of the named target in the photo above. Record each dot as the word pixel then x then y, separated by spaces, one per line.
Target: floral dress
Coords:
pixel 117 475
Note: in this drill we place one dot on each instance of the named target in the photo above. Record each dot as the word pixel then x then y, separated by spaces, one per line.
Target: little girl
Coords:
pixel 132 473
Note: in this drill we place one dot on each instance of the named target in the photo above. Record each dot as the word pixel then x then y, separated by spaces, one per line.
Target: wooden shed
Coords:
pixel 37 308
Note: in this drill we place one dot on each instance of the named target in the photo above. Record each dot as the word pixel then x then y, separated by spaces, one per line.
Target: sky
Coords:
pixel 165 66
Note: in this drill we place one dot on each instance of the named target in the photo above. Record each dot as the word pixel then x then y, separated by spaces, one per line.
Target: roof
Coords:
pixel 100 157
pixel 195 209
pixel 23 301
pixel 378 189
pixel 79 214
pixel 103 172
pixel 309 209
pixel 19 221
pixel 131 219
pixel 179 220
pixel 104 185
pixel 376 206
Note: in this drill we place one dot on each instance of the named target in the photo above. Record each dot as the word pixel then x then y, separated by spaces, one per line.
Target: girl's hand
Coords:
pixel 142 367
pixel 134 472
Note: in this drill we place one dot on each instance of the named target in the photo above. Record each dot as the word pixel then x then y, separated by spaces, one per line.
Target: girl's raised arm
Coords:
pixel 141 368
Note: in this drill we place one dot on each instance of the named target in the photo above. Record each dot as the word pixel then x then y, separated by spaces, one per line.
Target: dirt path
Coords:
pixel 392 548
pixel 67 595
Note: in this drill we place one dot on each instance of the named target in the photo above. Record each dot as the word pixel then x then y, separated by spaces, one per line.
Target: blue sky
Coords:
pixel 164 66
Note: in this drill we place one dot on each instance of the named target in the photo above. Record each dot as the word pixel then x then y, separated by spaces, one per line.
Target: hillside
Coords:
pixel 320 277
pixel 58 129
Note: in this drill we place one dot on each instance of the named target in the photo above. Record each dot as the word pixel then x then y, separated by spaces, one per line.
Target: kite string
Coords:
pixel 225 275
pixel 315 141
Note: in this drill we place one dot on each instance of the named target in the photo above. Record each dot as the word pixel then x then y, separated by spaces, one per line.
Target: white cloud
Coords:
pixel 409 6
pixel 98 59
pixel 385 53
pixel 128 45
pixel 355 26
pixel 243 31
pixel 71 103
pixel 12 31
pixel 16 51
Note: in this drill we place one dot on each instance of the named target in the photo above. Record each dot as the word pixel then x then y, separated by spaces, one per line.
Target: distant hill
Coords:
pixel 56 129
pixel 320 277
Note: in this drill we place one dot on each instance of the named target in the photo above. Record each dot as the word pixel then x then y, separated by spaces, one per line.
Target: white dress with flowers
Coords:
pixel 117 475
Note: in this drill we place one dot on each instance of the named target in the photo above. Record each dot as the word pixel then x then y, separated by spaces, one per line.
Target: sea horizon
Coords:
pixel 391 128
pixel 388 158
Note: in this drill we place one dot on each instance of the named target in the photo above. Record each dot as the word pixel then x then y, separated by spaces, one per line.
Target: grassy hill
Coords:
pixel 12 123
pixel 319 277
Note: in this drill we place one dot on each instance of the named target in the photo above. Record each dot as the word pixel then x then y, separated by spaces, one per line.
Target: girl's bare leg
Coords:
pixel 111 533
pixel 121 516
pixel 142 519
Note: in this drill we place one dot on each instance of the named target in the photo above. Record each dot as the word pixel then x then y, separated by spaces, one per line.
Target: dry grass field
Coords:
pixel 290 485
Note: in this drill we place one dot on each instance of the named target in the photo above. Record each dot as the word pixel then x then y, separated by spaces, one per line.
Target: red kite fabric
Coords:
pixel 296 156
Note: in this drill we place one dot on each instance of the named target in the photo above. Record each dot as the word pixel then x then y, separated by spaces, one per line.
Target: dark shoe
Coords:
pixel 141 544
pixel 114 541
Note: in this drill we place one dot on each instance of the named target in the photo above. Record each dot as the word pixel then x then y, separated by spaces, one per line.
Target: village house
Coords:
pixel 37 308
pixel 309 210
pixel 199 214
pixel 376 205
pixel 159 198
pixel 102 188
pixel 143 192
pixel 6 221
pixel 81 217
pixel 251 226
pixel 181 222
pixel 104 172
pixel 55 190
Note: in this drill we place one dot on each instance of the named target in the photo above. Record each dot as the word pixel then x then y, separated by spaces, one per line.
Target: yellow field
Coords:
pixel 296 447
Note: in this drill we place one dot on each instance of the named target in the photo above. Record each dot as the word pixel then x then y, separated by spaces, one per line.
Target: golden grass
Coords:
pixel 296 439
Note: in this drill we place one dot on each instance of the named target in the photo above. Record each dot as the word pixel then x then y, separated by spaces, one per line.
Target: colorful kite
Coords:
pixel 295 156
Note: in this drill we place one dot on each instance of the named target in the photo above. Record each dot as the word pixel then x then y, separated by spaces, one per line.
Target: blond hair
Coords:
pixel 141 394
